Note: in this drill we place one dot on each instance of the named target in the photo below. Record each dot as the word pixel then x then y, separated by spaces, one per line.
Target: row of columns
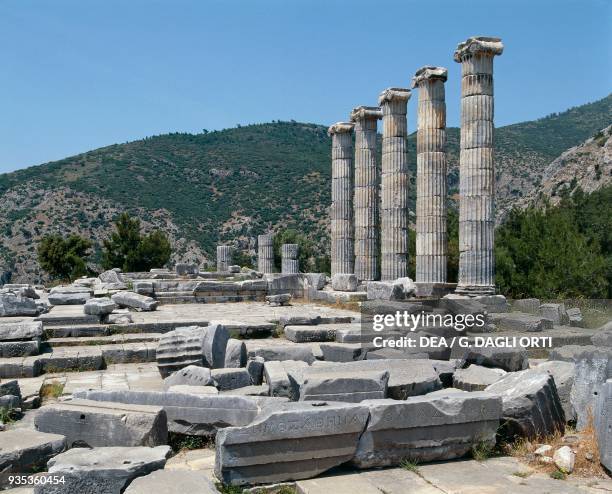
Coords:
pixel 357 222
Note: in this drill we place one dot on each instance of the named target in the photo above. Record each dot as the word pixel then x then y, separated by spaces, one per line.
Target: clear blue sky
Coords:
pixel 77 75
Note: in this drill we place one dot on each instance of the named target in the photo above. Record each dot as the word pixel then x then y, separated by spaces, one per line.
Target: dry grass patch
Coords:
pixel 52 389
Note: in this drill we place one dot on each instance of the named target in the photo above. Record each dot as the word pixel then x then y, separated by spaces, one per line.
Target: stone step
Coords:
pixel 121 338
pixel 318 332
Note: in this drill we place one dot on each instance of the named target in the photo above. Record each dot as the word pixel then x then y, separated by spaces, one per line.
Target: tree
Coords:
pixel 64 258
pixel 128 250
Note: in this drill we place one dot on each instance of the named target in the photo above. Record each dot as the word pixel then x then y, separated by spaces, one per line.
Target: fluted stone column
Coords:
pixel 366 208
pixel 342 230
pixel 224 258
pixel 476 166
pixel 290 264
pixel 394 184
pixel 431 233
pixel 265 253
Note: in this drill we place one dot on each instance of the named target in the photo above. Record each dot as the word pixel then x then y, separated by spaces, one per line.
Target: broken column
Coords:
pixel 431 236
pixel 224 258
pixel 366 207
pixel 265 253
pixel 290 263
pixel 476 166
pixel 342 230
pixel 394 181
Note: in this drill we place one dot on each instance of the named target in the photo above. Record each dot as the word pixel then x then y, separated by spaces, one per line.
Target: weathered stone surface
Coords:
pixel 22 330
pixel 173 482
pixel 593 368
pixel 23 289
pixel 187 413
pixel 10 388
pixel 563 373
pixel 476 377
pixel 601 339
pixel 343 352
pixel 427 428
pixel 10 349
pixel 276 375
pixel 225 379
pixel 193 390
pixel 135 301
pixel 344 282
pixel 406 377
pixel 574 317
pixel 279 300
pixel 111 276
pixel 385 290
pixel 23 450
pixel 259 390
pixel 215 343
pixel 185 269
pixel 554 312
pixel 69 295
pixel 255 367
pixel 235 353
pixel 118 318
pixel 305 334
pixel 16 305
pixel 602 420
pixel 91 423
pixel 284 352
pixel 102 470
pixel 531 405
pixel 349 386
pixel 316 281
pixel 192 375
pixel 265 451
pixel 181 348
pixel 508 359
pixel 99 306
pixel 460 304
pixel 565 459
pixel 529 305
pixel 517 321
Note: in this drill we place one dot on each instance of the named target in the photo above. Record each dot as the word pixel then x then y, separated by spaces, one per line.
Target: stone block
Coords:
pixel 192 375
pixel 215 343
pixel 316 281
pixel 193 390
pixel 21 330
pixel 345 282
pixel 102 470
pixel 349 386
pixel 111 276
pixel 602 420
pixel 99 306
pixel 135 301
pixel 306 334
pixel 92 423
pixel 181 348
pixel 531 404
pixel 563 374
pixel 259 390
pixel 187 413
pixel 16 305
pixel 427 428
pixel 574 317
pixel 173 482
pixel 235 353
pixel 508 359
pixel 225 379
pixel 255 368
pixel 529 305
pixel 26 450
pixel 283 352
pixel 10 349
pixel 385 290
pixel 461 304
pixel 517 321
pixel 279 300
pixel 184 269
pixel 344 352
pixel 476 377
pixel 69 295
pixel 294 441
pixel 602 338
pixel 276 375
pixel 555 313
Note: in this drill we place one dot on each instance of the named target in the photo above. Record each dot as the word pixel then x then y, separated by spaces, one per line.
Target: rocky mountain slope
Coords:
pixel 230 185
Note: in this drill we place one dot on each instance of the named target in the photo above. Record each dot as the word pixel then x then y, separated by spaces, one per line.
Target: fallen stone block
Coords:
pixel 232 378
pixel 602 420
pixel 16 305
pixel 192 375
pixel 265 451
pixel 344 352
pixel 188 413
pixel 446 370
pixel 180 348
pixel 349 386
pixel 173 482
pixel 135 301
pixel 283 352
pixel 99 306
pixel 10 349
pixel 101 470
pixel 574 317
pixel 385 290
pixel 563 373
pixel 461 304
pixel 21 330
pixel 194 390
pixel 427 428
pixel 406 377
pixel 69 295
pixel 493 303
pixel 252 390
pixel 555 313
pixel 529 305
pixel 215 344
pixel 476 377
pixel 276 375
pixel 10 388
pixel 279 300
pixel 27 450
pixel 395 353
pixel 23 289
pixel 508 359
pixel 184 269
pixel 602 338
pixel 517 321
pixel 255 368
pixel 531 405
pixel 92 423
pixel 235 353
pixel 316 281
pixel 306 334
pixel 345 282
